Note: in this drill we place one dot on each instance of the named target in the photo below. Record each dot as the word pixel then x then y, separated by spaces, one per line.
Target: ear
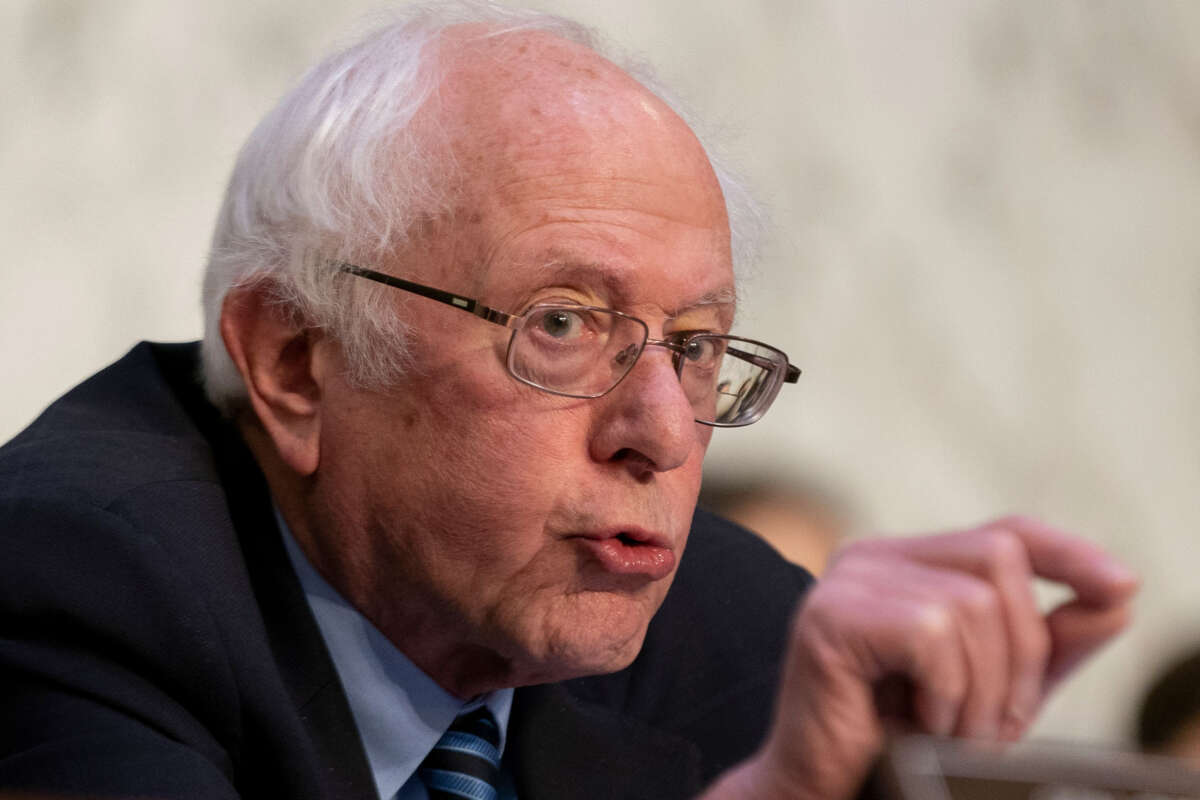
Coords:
pixel 281 366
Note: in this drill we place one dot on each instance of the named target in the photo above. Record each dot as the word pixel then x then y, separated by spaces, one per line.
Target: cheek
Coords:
pixel 478 464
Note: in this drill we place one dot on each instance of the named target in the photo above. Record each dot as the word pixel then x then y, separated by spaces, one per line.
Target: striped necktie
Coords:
pixel 465 763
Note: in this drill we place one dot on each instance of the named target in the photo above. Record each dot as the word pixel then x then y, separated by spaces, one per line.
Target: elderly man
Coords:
pixel 325 575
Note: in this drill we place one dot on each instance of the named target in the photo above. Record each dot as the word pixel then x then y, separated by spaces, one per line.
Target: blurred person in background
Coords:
pixel 1168 721
pixel 805 523
pixel 360 543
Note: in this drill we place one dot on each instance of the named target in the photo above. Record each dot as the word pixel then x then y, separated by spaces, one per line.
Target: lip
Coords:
pixel 631 551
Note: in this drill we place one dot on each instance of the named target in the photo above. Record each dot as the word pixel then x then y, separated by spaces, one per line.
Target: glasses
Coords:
pixel 585 351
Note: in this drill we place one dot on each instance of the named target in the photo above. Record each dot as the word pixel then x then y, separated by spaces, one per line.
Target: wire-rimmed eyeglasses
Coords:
pixel 585 351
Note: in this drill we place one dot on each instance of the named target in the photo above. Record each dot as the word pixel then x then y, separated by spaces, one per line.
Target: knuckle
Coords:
pixel 1005 552
pixel 932 625
pixel 978 599
pixel 1011 522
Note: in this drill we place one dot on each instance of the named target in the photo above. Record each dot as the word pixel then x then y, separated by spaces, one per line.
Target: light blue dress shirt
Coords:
pixel 399 710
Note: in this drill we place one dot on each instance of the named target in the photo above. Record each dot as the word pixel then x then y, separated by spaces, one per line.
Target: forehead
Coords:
pixel 620 282
pixel 572 171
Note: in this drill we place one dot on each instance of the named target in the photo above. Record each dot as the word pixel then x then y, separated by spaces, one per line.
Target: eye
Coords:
pixel 700 350
pixel 560 323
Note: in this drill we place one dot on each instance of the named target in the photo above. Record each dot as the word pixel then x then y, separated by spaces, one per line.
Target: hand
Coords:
pixel 949 620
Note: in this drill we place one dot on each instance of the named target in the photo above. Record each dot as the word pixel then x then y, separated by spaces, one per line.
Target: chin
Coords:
pixel 579 645
pixel 586 659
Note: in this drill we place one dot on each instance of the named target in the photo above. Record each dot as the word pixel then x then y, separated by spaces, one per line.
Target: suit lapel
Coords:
pixel 564 747
pixel 300 652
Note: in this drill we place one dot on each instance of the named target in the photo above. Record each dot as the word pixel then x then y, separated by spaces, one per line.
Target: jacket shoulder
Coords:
pixel 116 530
pixel 127 426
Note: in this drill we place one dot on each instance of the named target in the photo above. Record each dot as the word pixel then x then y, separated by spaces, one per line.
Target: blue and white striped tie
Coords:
pixel 465 763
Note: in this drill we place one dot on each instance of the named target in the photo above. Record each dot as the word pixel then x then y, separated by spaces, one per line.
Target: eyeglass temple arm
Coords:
pixel 513 321
pixel 449 298
pixel 793 372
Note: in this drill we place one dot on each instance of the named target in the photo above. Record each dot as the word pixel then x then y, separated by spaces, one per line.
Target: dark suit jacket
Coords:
pixel 154 640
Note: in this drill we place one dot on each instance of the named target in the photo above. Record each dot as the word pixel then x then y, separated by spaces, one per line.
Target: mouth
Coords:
pixel 631 552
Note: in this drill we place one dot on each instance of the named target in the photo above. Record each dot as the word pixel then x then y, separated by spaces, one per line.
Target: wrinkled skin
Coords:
pixel 952 620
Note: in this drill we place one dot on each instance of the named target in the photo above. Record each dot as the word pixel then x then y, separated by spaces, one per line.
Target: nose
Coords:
pixel 646 422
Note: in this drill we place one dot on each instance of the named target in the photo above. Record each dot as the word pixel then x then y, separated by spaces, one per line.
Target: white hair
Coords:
pixel 335 172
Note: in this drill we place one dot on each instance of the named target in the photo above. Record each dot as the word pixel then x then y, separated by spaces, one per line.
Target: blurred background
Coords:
pixel 984 250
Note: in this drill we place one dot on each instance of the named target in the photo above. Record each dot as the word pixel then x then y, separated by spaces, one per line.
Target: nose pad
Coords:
pixel 626 355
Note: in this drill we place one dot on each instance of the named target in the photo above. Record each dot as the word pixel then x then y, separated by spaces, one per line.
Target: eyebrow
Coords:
pixel 608 276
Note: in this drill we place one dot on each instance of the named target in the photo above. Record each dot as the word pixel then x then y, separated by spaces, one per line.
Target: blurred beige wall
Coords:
pixel 985 253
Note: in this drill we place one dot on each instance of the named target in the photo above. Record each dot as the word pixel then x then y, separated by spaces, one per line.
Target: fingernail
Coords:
pixel 1119 576
pixel 1012 729
pixel 1015 721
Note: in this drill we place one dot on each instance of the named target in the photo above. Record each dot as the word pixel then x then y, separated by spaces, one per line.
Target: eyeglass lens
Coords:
pixel 584 352
pixel 730 381
pixel 576 351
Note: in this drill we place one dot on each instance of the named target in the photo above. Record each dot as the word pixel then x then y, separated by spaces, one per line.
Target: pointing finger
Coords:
pixel 1098 579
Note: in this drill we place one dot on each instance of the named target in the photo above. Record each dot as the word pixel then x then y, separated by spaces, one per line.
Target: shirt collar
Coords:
pixel 400 711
